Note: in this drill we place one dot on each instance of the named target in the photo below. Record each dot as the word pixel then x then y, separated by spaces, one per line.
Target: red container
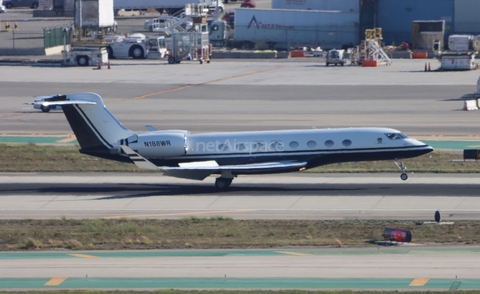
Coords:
pixel 398 235
pixel 419 54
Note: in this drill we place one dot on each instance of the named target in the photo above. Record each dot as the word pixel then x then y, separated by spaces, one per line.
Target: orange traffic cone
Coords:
pixel 425 66
pixel 429 67
pixel 108 64
pixel 99 64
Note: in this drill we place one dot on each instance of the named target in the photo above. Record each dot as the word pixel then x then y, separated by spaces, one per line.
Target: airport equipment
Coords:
pixel 190 44
pixel 397 235
pixel 461 53
pixel 335 57
pixel 86 56
pixel 94 15
pixel 170 6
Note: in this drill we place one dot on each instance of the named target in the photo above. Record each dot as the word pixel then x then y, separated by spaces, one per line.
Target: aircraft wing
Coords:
pixel 202 169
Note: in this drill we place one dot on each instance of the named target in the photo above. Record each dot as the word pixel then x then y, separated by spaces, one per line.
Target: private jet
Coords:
pixel 178 153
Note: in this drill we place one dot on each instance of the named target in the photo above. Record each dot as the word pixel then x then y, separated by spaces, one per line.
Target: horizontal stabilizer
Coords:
pixel 67 102
pixel 139 160
pixel 150 128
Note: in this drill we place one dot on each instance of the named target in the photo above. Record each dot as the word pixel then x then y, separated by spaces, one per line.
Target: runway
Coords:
pixel 406 268
pixel 284 196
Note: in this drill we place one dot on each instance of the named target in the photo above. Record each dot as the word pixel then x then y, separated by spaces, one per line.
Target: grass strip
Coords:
pixel 39 158
pixel 217 233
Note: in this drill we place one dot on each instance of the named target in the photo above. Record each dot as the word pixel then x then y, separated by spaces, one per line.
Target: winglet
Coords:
pixel 139 160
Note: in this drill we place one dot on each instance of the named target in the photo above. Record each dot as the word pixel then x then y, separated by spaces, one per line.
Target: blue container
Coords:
pixel 395 17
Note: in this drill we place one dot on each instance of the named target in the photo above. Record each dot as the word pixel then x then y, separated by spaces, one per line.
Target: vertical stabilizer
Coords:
pixel 96 129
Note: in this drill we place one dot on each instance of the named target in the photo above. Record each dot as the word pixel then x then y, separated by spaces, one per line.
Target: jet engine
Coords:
pixel 158 144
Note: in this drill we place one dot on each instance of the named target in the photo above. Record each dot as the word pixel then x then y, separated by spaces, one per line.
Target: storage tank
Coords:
pixel 287 28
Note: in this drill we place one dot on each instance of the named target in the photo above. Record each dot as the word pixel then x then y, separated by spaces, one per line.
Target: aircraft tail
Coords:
pixel 96 129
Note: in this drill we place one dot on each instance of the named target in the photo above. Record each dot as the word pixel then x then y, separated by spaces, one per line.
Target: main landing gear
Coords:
pixel 224 181
pixel 402 168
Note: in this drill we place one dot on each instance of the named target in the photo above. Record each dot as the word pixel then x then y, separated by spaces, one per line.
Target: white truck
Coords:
pixel 335 57
pixel 170 6
pixel 282 29
pixel 137 46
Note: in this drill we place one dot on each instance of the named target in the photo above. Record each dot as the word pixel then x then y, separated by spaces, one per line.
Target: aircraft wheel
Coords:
pixel 222 183
pixel 171 60
pixel 404 176
pixel 327 64
pixel 45 108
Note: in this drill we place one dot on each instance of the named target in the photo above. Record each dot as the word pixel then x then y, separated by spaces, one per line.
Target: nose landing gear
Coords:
pixel 402 168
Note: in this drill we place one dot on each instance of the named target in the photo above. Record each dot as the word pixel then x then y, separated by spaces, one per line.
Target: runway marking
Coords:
pixel 83 255
pixel 294 253
pixel 200 84
pixel 419 282
pixel 174 214
pixel 55 281
pixel 67 140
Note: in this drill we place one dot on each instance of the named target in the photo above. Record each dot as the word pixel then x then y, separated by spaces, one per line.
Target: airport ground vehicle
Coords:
pixel 282 29
pixel 38 104
pixel 137 46
pixel 86 56
pixel 21 3
pixel 335 57
pixel 170 6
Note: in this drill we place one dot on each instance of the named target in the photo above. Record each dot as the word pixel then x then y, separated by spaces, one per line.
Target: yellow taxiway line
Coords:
pixel 55 281
pixel 419 282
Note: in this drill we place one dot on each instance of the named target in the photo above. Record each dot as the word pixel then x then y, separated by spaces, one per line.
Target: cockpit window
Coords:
pixel 396 136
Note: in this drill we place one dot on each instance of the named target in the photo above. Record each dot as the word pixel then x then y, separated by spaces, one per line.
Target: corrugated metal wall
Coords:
pixel 467 17
pixel 395 17
pixel 341 5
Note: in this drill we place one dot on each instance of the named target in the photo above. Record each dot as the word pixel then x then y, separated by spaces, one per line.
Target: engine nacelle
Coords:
pixel 159 144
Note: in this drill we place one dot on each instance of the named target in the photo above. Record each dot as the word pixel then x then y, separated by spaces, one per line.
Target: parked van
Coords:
pixel 21 3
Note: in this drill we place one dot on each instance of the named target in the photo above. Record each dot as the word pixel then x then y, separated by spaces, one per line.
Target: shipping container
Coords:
pixel 287 28
pixel 94 14
pixel 395 17
pixel 352 6
pixel 467 17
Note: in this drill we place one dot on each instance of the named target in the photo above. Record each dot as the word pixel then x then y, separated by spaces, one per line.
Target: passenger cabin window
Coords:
pixel 241 147
pixel 396 136
pixel 214 28
pixel 223 147
pixel 346 143
pixel 311 144
pixel 258 146
pixel 293 144
pixel 329 143
pixel 276 146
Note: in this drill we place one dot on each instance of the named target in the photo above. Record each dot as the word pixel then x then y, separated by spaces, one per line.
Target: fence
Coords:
pixel 56 36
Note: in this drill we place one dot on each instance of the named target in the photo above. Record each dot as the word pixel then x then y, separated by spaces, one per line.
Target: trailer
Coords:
pixel 282 29
pixel 170 6
pixel 94 15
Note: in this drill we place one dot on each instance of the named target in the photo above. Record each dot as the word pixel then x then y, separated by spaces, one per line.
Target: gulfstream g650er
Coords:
pixel 180 154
